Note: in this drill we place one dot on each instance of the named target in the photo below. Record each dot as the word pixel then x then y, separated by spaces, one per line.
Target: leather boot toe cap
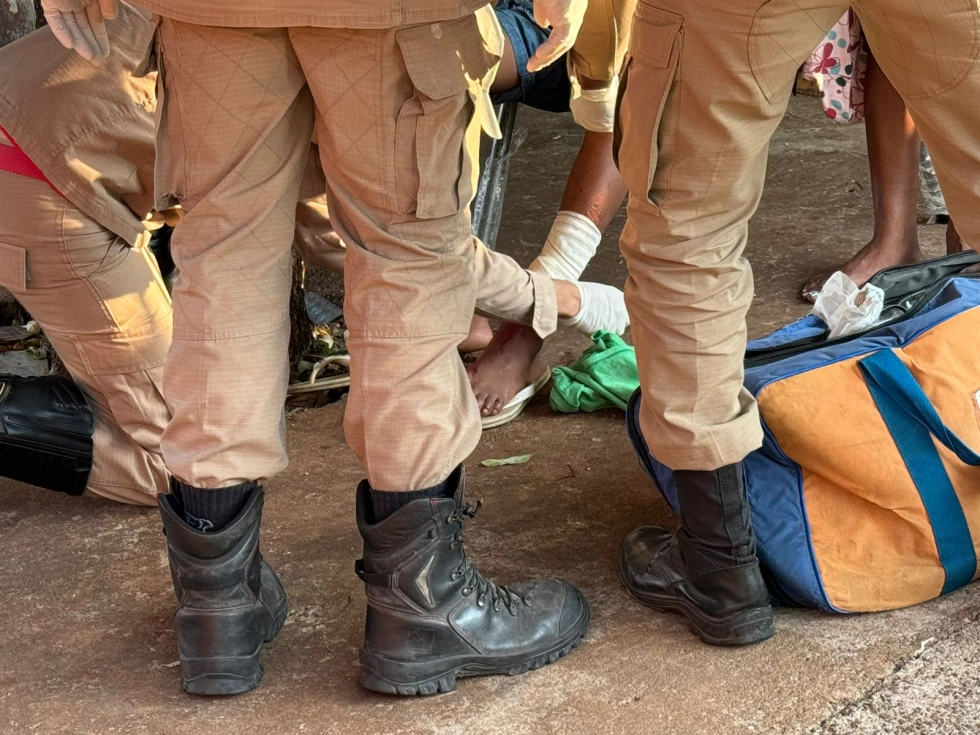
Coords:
pixel 574 614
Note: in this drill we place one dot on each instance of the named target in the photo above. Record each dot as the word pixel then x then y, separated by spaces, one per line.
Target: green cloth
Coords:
pixel 604 376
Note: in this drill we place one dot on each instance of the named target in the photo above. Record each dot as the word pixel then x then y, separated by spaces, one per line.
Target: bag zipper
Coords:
pixel 757 358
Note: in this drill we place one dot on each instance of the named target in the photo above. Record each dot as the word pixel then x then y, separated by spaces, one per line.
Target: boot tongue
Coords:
pixel 459 479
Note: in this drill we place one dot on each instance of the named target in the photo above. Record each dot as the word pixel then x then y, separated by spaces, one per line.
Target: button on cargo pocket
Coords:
pixel 437 140
pixel 645 126
pixel 13 268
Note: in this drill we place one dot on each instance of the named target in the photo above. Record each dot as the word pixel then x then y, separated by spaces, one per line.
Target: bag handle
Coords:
pixel 893 378
pixel 913 421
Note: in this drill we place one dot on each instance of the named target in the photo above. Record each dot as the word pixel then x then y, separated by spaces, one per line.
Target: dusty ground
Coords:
pixel 86 644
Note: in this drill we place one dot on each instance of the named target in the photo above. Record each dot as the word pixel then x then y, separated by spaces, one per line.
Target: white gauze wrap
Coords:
pixel 570 246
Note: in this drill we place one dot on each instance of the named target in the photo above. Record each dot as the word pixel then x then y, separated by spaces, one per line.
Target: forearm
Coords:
pixel 595 188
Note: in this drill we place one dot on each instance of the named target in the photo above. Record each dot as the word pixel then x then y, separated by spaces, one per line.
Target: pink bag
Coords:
pixel 837 67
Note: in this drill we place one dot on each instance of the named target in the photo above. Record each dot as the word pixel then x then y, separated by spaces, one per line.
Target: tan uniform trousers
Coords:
pixel 400 112
pixel 707 82
pixel 105 309
pixel 504 290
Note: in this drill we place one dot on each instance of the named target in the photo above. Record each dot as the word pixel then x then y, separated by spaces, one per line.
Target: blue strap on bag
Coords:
pixel 913 421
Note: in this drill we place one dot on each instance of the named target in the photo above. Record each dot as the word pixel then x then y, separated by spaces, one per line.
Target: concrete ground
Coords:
pixel 86 645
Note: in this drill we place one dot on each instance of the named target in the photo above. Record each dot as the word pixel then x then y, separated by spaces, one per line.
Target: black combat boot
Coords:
pixel 230 600
pixel 432 617
pixel 46 432
pixel 708 570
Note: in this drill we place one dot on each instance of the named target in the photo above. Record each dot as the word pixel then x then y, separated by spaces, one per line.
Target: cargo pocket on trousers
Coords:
pixel 13 268
pixel 450 65
pixel 643 139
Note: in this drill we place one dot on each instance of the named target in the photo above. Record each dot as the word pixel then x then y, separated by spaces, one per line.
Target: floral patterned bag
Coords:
pixel 837 67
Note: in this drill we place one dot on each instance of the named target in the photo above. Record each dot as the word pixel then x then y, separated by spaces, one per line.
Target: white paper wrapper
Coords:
pixel 847 309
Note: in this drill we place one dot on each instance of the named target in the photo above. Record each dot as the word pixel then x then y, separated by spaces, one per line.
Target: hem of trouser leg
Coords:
pixel 545 318
pixel 122 494
pixel 524 78
pixel 716 447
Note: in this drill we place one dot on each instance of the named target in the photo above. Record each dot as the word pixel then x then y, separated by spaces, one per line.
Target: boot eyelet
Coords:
pixel 466 591
pixel 496 607
pixel 480 602
pixel 454 576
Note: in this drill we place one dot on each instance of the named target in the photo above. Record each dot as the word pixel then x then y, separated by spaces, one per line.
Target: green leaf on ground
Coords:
pixel 519 459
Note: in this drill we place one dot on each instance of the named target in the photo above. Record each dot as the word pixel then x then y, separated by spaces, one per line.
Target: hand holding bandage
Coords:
pixel 80 25
pixel 564 17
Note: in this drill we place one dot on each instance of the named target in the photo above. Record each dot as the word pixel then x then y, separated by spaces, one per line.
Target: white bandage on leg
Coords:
pixel 603 307
pixel 570 246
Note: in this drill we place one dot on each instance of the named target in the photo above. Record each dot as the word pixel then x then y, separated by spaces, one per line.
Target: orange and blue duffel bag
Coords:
pixel 865 494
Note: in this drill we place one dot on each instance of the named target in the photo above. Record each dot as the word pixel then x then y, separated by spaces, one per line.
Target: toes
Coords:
pixel 812 289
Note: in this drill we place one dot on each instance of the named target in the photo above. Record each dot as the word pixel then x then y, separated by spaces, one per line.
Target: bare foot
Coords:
pixel 505 368
pixel 479 337
pixel 866 262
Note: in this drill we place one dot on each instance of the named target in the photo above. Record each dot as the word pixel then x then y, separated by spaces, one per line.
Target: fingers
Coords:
pixel 110 8
pixel 541 14
pixel 86 32
pixel 99 32
pixel 73 37
pixel 56 22
pixel 565 18
pixel 557 45
pixel 83 30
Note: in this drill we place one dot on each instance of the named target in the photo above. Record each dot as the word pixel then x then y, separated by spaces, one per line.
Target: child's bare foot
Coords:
pixel 479 337
pixel 866 262
pixel 505 368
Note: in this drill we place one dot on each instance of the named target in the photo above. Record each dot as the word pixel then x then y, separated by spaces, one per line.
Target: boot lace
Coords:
pixel 486 591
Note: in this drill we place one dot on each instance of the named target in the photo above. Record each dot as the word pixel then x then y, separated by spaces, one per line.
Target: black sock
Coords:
pixel 385 503
pixel 211 509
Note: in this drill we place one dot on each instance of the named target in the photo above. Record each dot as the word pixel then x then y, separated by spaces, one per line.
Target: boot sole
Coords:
pixel 742 629
pixel 222 677
pixel 384 675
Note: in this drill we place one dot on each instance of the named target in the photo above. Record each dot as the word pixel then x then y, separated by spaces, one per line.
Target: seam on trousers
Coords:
pixel 135 489
pixel 952 84
pixel 225 337
pixel 170 97
pixel 679 40
pixel 406 335
pixel 86 280
pixel 388 170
